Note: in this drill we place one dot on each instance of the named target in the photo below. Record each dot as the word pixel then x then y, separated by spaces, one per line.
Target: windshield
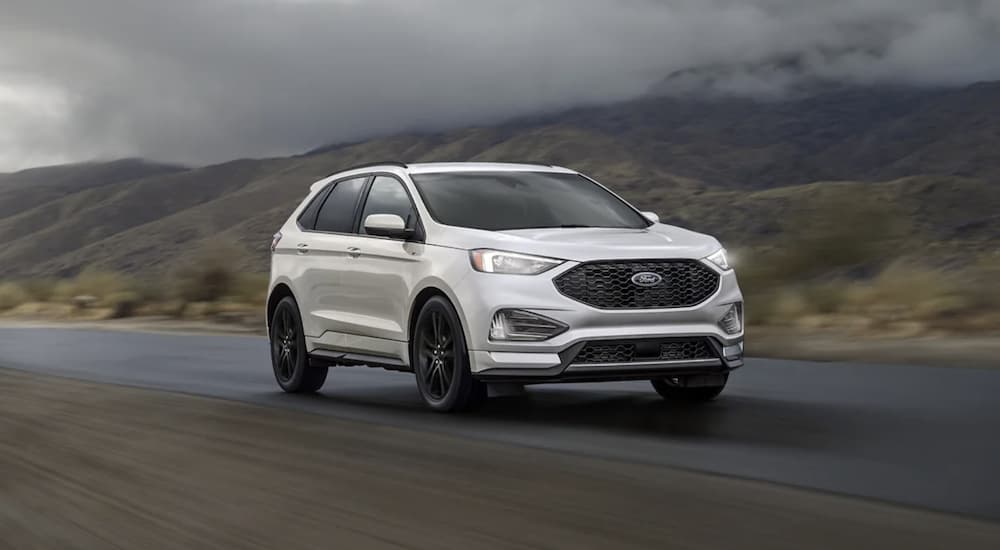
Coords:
pixel 499 201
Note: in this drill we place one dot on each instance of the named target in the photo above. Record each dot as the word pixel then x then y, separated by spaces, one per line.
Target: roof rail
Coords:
pixel 369 164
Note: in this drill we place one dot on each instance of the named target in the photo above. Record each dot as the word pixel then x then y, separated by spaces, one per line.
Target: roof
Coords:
pixel 440 167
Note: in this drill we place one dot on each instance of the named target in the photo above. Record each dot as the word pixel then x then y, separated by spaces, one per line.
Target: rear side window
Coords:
pixel 308 217
pixel 337 213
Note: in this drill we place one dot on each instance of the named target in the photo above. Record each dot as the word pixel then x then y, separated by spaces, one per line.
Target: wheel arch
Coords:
pixel 278 293
pixel 421 298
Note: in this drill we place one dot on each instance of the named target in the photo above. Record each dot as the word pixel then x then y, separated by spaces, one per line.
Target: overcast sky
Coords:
pixel 199 81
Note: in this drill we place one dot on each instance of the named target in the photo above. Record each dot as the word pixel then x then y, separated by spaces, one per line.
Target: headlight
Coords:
pixel 495 261
pixel 720 259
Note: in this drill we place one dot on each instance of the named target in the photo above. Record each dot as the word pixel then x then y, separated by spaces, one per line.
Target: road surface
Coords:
pixel 920 436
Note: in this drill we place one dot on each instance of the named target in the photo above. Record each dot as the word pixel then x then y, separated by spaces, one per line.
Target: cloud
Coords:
pixel 199 81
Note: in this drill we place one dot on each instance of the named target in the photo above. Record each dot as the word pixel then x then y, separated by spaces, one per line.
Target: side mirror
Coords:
pixel 652 216
pixel 387 225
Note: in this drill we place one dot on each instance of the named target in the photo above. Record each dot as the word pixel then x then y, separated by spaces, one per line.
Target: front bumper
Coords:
pixel 527 368
pixel 481 295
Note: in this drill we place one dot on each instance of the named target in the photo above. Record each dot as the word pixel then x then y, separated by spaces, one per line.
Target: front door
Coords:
pixel 378 289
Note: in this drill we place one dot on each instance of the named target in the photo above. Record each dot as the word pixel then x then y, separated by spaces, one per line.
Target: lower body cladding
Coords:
pixel 687 358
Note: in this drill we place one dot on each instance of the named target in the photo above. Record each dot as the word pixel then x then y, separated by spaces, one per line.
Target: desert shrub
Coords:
pixel 983 278
pixel 210 274
pixel 824 296
pixel 93 282
pixel 12 295
pixel 39 289
pixel 123 304
pixel 906 287
pixel 250 288
pixel 838 236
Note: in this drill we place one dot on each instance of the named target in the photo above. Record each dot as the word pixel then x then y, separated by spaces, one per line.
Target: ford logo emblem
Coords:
pixel 646 278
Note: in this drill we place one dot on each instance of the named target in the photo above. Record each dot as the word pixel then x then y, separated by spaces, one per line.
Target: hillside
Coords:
pixel 742 169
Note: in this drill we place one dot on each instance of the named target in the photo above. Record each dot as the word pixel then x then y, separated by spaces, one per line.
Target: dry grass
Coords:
pixel 208 286
pixel 12 295
pixel 902 295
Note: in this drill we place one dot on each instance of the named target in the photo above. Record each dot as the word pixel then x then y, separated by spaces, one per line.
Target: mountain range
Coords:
pixel 747 170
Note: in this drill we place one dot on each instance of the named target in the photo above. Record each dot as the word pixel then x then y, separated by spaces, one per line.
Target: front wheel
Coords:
pixel 440 360
pixel 289 358
pixel 678 390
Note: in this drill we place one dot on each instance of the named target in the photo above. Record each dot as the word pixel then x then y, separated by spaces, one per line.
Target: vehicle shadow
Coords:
pixel 732 418
pixel 556 412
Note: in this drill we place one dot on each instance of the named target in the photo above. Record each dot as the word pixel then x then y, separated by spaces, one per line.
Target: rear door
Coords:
pixel 324 256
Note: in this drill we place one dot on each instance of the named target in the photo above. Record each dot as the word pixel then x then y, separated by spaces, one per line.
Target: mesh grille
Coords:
pixel 683 350
pixel 606 353
pixel 645 350
pixel 608 285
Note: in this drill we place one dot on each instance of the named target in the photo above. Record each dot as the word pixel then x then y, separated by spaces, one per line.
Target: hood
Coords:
pixel 587 244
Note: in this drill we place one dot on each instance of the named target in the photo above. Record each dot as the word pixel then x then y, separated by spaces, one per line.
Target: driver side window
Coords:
pixel 388 196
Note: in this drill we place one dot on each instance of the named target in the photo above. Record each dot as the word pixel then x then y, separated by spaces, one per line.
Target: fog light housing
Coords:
pixel 732 321
pixel 523 326
pixel 732 353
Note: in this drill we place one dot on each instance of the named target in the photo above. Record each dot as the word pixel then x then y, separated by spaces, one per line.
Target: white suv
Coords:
pixel 475 273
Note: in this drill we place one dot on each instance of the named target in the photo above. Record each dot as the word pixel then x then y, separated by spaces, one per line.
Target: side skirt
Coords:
pixel 327 358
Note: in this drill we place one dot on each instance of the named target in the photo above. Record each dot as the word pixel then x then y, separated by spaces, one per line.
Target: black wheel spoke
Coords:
pixel 426 342
pixel 441 383
pixel 283 366
pixel 285 345
pixel 436 354
pixel 446 374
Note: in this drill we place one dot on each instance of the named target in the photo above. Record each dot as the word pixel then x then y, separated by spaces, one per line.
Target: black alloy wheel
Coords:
pixel 441 360
pixel 289 358
pixel 437 352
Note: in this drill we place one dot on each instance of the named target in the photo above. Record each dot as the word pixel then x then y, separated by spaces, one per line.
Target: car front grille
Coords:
pixel 630 351
pixel 609 284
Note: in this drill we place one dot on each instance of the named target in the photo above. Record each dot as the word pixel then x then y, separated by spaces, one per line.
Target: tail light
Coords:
pixel 274 241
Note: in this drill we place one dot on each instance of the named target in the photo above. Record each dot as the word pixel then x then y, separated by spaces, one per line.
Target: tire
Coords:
pixel 440 360
pixel 702 394
pixel 289 357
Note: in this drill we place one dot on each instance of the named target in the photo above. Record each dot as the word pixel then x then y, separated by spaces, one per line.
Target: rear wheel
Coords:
pixel 680 389
pixel 441 360
pixel 288 351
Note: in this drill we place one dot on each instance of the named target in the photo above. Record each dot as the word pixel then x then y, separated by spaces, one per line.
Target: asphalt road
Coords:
pixel 920 436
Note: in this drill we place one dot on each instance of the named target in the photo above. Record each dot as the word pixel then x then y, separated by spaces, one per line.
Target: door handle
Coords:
pixel 353 251
pixel 303 248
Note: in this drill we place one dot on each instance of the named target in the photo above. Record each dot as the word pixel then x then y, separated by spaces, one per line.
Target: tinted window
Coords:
pixel 387 196
pixel 337 213
pixel 308 218
pixel 500 201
